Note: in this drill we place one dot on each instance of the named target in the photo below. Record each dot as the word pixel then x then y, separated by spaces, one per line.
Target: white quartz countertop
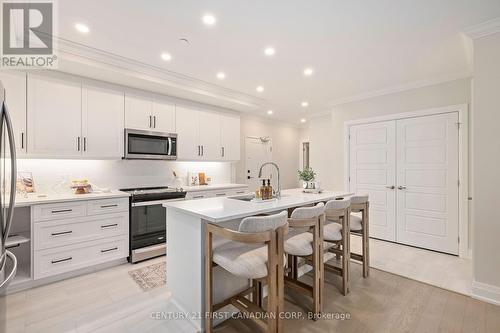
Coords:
pixel 212 187
pixel 220 209
pixel 40 198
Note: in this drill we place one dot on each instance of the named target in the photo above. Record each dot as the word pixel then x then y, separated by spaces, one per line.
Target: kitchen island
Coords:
pixel 185 244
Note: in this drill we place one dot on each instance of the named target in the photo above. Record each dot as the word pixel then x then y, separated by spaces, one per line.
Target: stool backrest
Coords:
pixel 337 204
pixel 263 223
pixel 359 199
pixel 308 212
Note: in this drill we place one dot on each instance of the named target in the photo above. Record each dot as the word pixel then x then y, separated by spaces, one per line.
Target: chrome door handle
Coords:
pixel 392 187
pixel 401 187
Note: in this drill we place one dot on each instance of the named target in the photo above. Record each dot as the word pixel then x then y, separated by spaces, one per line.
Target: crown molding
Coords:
pixel 401 88
pixel 75 57
pixel 483 29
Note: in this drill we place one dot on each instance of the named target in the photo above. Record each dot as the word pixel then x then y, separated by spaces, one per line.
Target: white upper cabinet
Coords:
pixel 230 137
pixel 138 113
pixel 209 135
pixel 163 117
pixel 144 113
pixel 102 122
pixel 54 117
pixel 187 124
pixel 15 98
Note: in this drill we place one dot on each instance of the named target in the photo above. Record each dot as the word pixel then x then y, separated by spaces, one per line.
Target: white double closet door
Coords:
pixel 409 168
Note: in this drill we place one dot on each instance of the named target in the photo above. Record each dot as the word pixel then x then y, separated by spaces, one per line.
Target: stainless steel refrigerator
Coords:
pixel 8 175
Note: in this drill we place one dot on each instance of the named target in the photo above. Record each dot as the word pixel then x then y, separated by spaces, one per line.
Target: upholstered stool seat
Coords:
pixel 356 222
pixel 299 243
pixel 243 260
pixel 332 232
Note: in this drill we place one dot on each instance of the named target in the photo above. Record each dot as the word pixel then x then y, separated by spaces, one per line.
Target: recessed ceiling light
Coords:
pixel 308 71
pixel 82 28
pixel 304 104
pixel 303 120
pixel 270 112
pixel 221 76
pixel 269 51
pixel 209 19
pixel 166 56
pixel 260 88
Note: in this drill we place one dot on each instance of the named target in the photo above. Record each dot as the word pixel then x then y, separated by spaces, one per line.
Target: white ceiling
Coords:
pixel 354 46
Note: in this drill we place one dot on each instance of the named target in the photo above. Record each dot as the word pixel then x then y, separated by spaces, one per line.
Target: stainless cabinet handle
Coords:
pixel 154 121
pixel 392 187
pixel 109 226
pixel 84 143
pixel 78 143
pixel 202 152
pixel 198 196
pixel 150 121
pixel 61 211
pixel 62 233
pixel 220 194
pixel 223 151
pixel 199 150
pixel 240 192
pixel 62 260
pixel 22 140
pixel 109 250
pixel 109 206
pixel 401 187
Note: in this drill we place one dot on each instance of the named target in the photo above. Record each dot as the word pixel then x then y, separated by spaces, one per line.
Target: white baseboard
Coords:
pixel 486 292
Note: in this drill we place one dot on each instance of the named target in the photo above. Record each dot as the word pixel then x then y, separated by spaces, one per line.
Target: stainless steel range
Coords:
pixel 148 220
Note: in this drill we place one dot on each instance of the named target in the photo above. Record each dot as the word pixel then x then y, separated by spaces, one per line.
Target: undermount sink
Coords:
pixel 250 197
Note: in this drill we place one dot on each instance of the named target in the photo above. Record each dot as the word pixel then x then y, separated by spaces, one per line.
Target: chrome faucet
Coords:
pixel 278 191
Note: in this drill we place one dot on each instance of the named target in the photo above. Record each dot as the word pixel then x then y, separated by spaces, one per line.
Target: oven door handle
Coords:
pixel 156 202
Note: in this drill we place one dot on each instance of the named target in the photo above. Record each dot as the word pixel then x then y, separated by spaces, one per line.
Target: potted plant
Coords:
pixel 307 176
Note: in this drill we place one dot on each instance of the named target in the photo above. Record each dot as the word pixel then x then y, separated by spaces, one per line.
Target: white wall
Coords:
pixel 326 133
pixel 486 161
pixel 47 173
pixel 285 144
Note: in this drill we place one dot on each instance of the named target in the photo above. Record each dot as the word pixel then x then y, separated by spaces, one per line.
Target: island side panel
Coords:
pixel 185 263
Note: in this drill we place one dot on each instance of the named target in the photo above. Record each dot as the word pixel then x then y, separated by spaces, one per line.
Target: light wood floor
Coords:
pixel 388 303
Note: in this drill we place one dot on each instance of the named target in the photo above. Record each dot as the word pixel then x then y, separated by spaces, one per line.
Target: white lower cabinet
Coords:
pixel 69 258
pixel 73 235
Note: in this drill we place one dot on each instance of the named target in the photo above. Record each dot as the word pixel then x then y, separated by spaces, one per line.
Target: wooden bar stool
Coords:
pixel 254 252
pixel 305 240
pixel 337 232
pixel 360 226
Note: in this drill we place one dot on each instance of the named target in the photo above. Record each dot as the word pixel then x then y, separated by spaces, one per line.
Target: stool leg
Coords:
pixel 366 242
pixel 316 258
pixel 208 282
pixel 345 256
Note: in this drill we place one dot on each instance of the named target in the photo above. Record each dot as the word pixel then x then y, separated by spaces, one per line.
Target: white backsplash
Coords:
pixel 54 176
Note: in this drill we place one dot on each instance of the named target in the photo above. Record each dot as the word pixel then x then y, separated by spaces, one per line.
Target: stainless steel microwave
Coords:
pixel 147 145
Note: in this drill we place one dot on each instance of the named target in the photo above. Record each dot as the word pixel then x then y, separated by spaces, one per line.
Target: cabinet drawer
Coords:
pixel 95 207
pixel 69 258
pixel 62 210
pixel 56 233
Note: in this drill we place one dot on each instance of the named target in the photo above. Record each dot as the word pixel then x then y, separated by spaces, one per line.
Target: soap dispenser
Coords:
pixel 269 189
pixel 263 190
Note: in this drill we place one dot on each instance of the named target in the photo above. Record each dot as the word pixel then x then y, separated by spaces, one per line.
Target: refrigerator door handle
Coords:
pixel 8 278
pixel 13 163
